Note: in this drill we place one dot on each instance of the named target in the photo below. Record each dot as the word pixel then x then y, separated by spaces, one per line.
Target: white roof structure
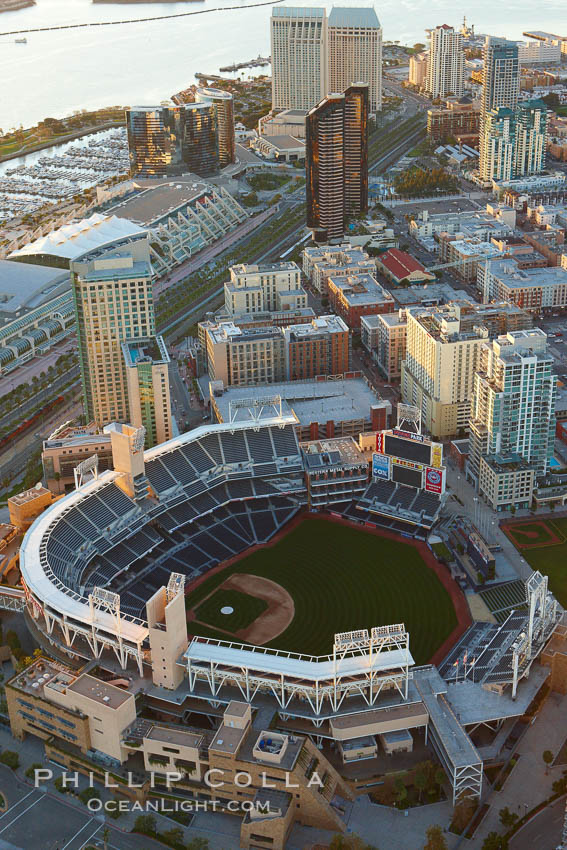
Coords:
pixel 309 667
pixel 75 239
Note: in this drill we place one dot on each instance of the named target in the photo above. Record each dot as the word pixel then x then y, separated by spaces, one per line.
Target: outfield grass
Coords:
pixel 246 609
pixel 340 579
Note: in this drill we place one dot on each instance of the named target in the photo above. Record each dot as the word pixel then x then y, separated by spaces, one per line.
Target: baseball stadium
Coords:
pixel 231 563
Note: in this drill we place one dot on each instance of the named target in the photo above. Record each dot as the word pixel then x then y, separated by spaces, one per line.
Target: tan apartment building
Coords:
pixel 385 337
pixel 264 287
pixel 442 355
pixel 418 70
pixel 239 357
pixel 112 291
pixel 147 377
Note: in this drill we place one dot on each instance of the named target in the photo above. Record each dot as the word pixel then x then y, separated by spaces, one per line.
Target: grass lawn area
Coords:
pixel 442 551
pixel 267 182
pixel 246 609
pixel 531 532
pixel 342 579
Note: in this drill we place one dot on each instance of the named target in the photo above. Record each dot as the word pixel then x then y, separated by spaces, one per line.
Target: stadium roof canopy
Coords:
pixel 24 286
pixel 77 238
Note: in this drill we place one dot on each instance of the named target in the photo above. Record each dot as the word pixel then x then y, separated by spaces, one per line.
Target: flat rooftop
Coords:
pixel 28 495
pixel 321 454
pixel 286 142
pixel 509 273
pixel 145 350
pixel 24 286
pixel 168 735
pixel 157 199
pixel 101 692
pixel 361 288
pixel 311 401
pixel 227 739
pixel 428 293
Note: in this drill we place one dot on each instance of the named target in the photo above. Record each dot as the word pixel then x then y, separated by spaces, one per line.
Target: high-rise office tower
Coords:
pixel 513 403
pixel 173 139
pixel 445 63
pixel 531 137
pixel 336 133
pixel 500 89
pixel 354 51
pixel 298 39
pixel 223 105
pixel 501 74
pixel 112 291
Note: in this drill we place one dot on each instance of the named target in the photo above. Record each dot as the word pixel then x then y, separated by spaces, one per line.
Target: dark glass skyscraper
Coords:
pixel 337 162
pixel 223 104
pixel 171 140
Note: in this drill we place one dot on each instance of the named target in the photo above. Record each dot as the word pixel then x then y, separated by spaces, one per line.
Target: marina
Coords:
pixel 62 173
pixel 260 62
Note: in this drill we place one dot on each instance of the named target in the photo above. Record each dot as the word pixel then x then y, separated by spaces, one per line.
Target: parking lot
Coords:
pixel 38 820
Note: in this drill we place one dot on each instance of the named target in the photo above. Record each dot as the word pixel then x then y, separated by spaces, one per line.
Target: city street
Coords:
pixel 543 831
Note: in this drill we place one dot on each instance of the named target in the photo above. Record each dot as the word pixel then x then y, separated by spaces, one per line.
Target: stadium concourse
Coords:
pixel 104 572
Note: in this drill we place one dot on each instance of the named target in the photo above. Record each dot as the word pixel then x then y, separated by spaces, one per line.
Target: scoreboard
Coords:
pixel 408 458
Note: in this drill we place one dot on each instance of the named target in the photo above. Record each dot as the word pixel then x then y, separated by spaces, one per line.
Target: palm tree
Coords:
pixel 547 756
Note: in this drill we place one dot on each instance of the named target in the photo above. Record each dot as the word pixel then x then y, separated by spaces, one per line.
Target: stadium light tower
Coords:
pixel 409 418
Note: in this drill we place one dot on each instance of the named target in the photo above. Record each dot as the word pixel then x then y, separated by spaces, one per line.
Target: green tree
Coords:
pixel 10 759
pixel 30 772
pixel 495 841
pixel 435 839
pixel 349 842
pixel 420 782
pixel 174 836
pixel 89 794
pixel 400 790
pixel 146 824
pixel 547 757
pixel 507 818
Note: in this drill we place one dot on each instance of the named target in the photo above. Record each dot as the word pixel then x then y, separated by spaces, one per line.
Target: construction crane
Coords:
pixel 485 296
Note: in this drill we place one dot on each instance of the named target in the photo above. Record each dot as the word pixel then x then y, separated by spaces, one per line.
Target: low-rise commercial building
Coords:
pixel 506 481
pixel 400 267
pixel 66 448
pixel 358 295
pixel 279 148
pixel 288 122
